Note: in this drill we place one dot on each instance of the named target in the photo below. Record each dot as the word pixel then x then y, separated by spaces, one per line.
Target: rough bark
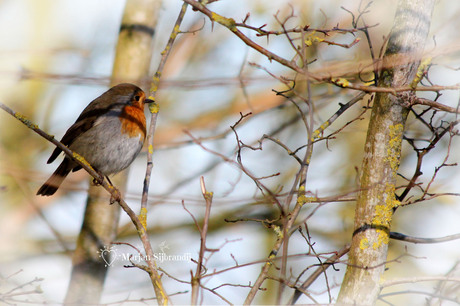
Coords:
pixel 376 200
pixel 132 62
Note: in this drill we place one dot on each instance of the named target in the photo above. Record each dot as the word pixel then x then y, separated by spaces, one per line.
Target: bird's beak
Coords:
pixel 148 101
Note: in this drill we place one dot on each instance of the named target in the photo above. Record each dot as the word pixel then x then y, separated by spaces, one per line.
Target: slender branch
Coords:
pixel 79 79
pixel 403 237
pixel 329 262
pixel 196 279
pixel 436 105
pixel 232 26
pixel 261 32
pixel 419 292
pixel 418 279
pixel 420 155
pixel 300 183
pixel 154 108
pixel 342 109
pixel 240 166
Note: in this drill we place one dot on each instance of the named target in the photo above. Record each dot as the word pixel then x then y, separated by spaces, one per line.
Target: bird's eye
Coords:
pixel 137 98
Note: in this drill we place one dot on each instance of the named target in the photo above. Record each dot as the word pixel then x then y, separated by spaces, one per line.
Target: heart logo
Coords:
pixel 108 255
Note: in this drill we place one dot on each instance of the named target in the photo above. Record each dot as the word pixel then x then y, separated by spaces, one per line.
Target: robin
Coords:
pixel 109 134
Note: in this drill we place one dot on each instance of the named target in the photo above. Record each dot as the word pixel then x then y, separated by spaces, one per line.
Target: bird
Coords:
pixel 109 134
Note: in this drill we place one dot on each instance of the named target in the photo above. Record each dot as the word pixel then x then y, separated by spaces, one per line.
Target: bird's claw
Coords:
pixel 115 197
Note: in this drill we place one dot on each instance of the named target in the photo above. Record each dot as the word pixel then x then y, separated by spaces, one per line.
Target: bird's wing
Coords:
pixel 85 121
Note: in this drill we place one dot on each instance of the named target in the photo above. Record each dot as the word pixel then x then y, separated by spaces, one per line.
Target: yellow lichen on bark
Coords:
pixel 227 22
pixel 342 82
pixel 318 131
pixel 143 217
pixel 383 215
pixel 154 108
pixel 81 159
pixel 301 197
pixel 394 146
pixel 26 121
pixel 422 68
pixel 313 38
pixel 364 244
pixel 383 238
pixel 278 231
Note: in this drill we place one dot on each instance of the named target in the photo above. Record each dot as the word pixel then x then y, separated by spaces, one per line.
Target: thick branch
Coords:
pixel 376 200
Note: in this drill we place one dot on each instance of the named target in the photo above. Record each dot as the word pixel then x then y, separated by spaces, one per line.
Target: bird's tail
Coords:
pixel 55 180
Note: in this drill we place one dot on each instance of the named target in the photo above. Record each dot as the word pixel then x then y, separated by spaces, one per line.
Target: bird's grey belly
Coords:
pixel 106 148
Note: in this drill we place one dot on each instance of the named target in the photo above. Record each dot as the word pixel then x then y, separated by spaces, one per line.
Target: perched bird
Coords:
pixel 109 134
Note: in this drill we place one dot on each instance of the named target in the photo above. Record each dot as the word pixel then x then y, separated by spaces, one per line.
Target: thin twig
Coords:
pixel 419 279
pixel 196 279
pixel 330 261
pixel 420 155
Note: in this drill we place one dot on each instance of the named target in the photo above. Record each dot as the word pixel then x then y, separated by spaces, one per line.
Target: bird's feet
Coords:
pixel 98 181
pixel 115 196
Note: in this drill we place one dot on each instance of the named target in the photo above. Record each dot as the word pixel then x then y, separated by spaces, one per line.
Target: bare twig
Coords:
pixel 419 279
pixel 196 279
pixel 435 105
pixel 420 155
pixel 403 237
pixel 330 261
pixel 256 180
pixel 262 32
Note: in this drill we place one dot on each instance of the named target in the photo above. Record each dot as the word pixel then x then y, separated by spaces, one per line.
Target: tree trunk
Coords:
pixel 132 62
pixel 376 200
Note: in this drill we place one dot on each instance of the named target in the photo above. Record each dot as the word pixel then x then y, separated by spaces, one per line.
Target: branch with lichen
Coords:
pixel 376 200
pixel 375 65
pixel 154 109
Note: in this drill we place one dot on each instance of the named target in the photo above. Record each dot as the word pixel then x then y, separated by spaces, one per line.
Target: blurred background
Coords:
pixel 56 56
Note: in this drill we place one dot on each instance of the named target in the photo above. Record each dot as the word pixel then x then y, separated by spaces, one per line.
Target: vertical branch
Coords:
pixel 196 279
pixel 376 200
pixel 289 221
pixel 132 61
pixel 301 178
pixel 154 108
pixel 160 293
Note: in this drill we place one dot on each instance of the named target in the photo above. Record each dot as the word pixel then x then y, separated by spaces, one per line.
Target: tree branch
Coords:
pixel 405 238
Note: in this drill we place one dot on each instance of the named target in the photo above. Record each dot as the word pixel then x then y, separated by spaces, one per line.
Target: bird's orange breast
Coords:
pixel 133 121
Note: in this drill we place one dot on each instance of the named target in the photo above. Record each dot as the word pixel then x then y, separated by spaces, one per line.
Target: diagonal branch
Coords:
pixel 329 262
pixel 143 235
pixel 435 105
